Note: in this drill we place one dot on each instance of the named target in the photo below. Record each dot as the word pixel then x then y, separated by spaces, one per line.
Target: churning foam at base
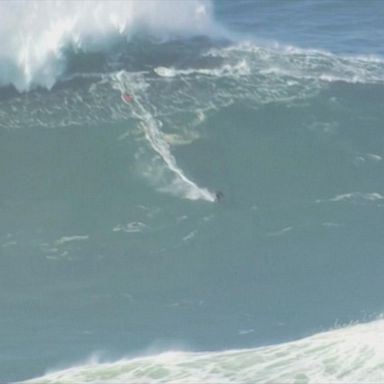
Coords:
pixel 353 354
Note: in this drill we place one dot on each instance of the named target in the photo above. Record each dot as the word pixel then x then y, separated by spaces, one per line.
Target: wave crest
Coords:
pixel 34 34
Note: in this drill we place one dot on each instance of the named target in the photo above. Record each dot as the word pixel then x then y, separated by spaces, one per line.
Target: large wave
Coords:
pixel 34 35
pixel 353 354
pixel 40 38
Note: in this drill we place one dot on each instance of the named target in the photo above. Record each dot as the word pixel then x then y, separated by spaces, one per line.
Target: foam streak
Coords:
pixel 180 185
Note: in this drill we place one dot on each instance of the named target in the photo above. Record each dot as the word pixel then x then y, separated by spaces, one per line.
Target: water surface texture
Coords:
pixel 120 122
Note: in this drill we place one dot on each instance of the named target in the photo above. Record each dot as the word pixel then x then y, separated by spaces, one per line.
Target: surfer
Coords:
pixel 127 98
pixel 219 196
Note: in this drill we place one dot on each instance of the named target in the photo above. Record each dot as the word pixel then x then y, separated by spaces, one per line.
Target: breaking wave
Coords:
pixel 40 41
pixel 35 35
pixel 353 354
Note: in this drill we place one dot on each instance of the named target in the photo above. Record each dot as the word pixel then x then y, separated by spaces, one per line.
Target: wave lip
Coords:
pixel 34 34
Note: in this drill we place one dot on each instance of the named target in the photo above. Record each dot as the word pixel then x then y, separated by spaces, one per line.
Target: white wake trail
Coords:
pixel 179 185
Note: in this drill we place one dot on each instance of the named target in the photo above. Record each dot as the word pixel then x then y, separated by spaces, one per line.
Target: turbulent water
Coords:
pixel 191 191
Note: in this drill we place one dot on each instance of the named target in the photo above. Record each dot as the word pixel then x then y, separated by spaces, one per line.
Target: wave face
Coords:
pixel 353 354
pixel 35 34
pixel 180 97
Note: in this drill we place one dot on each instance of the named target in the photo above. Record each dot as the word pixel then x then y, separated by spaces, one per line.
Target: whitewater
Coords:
pixel 346 355
pixel 191 191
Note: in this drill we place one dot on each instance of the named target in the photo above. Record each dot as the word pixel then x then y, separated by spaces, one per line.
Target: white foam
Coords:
pixel 280 232
pixel 253 75
pixel 179 139
pixel 133 227
pixel 171 178
pixel 68 239
pixel 353 354
pixel 9 244
pixel 374 157
pixel 354 196
pixel 181 185
pixel 329 224
pixel 305 64
pixel 34 34
pixel 240 68
pixel 190 235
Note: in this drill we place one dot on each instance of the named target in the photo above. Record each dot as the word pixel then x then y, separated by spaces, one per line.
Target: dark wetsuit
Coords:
pixel 219 196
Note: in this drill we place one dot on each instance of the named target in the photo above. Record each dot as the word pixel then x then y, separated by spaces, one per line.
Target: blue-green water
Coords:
pixel 118 264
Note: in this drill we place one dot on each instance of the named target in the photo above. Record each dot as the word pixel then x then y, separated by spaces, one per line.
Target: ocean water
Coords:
pixel 119 124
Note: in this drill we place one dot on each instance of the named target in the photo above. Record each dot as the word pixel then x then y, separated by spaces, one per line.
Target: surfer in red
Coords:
pixel 126 98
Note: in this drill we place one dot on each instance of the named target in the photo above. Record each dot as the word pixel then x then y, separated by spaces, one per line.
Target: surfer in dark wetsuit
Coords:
pixel 219 196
